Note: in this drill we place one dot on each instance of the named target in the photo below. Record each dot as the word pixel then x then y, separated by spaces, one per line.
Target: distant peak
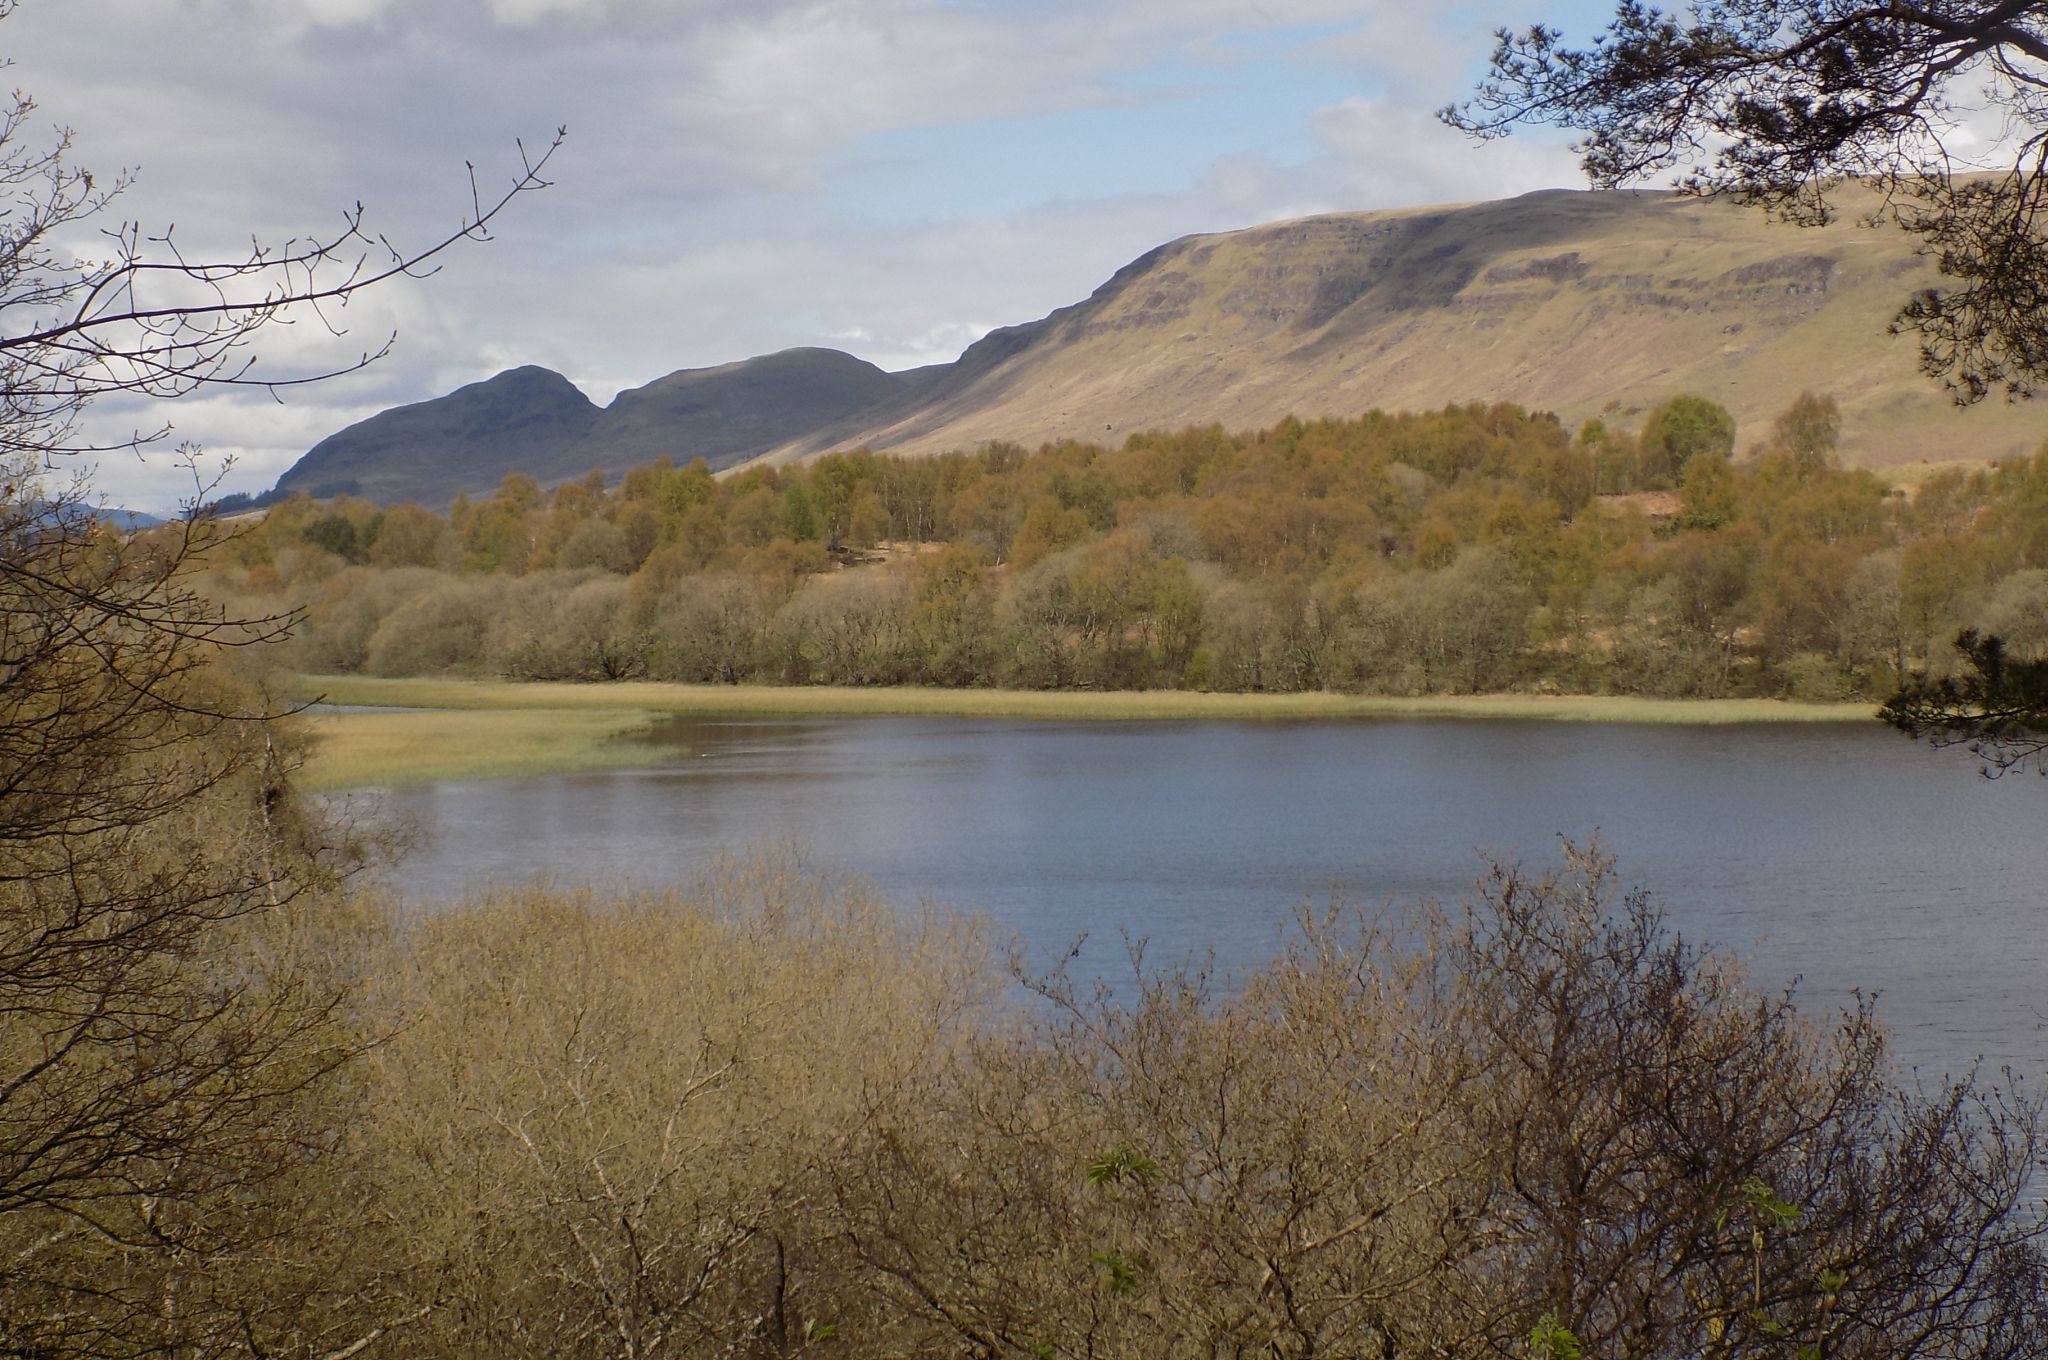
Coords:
pixel 527 375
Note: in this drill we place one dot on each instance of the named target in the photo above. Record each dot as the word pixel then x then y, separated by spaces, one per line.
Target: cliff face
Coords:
pixel 1581 303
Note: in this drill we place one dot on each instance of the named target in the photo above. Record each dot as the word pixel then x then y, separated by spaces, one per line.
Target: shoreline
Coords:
pixel 480 729
pixel 727 701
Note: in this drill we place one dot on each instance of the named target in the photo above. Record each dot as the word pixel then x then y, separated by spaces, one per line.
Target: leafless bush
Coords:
pixel 1541 1125
pixel 852 630
pixel 438 630
pixel 708 629
pixel 335 636
pixel 566 626
pixel 606 1125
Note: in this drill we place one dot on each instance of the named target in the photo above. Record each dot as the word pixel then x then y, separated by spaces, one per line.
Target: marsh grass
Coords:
pixel 480 729
pixel 356 750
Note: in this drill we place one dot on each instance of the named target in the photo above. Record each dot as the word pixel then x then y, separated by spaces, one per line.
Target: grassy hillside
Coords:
pixel 1587 304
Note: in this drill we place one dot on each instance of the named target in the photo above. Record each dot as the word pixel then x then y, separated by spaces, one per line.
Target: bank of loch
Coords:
pixel 478 729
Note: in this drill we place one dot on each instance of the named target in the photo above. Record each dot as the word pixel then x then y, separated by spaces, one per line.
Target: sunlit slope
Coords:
pixel 1581 303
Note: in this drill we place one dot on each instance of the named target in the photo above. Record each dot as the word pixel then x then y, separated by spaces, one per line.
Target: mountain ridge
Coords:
pixel 1584 303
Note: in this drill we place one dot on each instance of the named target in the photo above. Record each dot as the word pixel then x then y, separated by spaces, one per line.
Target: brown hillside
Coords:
pixel 1561 301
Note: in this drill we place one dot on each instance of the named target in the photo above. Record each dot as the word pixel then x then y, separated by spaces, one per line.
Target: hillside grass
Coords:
pixel 1662 308
pixel 477 729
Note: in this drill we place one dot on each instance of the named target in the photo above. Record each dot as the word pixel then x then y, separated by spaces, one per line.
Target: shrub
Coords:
pixel 438 630
pixel 1444 1133
pixel 610 1125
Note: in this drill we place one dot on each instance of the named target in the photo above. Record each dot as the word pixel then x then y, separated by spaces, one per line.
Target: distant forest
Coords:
pixel 1477 548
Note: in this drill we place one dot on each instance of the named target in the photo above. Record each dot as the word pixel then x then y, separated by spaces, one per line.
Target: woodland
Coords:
pixel 1472 549
pixel 254 1105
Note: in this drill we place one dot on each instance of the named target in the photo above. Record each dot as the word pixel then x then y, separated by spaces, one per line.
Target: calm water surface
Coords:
pixel 1847 857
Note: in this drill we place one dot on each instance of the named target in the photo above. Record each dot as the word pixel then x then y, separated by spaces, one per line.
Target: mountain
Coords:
pixel 1587 304
pixel 465 441
pixel 534 420
pixel 78 513
pixel 127 521
pixel 729 414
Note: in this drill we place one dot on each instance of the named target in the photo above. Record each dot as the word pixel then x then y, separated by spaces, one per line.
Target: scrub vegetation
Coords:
pixel 250 1107
pixel 1473 550
pixel 769 1115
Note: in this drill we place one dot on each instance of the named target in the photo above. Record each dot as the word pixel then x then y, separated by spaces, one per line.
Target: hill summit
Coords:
pixel 1587 304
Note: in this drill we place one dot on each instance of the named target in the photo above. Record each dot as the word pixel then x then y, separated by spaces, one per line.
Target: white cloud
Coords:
pixel 342 13
pixel 1395 155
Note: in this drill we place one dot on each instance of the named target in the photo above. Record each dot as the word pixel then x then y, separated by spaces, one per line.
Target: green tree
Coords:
pixel 952 616
pixel 1809 429
pixel 1047 528
pixel 1707 492
pixel 1679 431
pixel 410 537
pixel 336 534
pixel 801 521
pixel 867 520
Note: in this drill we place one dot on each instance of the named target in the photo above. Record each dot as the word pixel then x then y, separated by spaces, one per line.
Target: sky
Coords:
pixel 889 177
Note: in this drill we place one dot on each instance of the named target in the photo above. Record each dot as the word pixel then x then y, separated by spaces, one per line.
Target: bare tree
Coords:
pixel 1682 1164
pixel 1541 1126
pixel 162 1021
pixel 145 318
pixel 630 1159
pixel 168 1011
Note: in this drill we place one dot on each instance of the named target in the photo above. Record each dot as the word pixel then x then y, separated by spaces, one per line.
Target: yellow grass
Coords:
pixel 355 750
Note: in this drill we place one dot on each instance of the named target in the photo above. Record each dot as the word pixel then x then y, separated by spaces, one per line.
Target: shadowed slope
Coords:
pixel 728 414
pixel 535 421
pixel 465 441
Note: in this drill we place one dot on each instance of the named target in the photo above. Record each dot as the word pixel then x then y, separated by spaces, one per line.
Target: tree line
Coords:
pixel 1473 548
